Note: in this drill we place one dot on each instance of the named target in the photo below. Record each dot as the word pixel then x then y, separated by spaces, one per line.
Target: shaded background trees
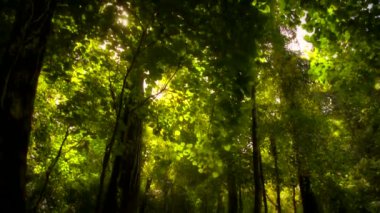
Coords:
pixel 191 106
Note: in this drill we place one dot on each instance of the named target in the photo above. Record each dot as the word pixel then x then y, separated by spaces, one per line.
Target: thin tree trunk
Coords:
pixel 204 204
pixel 294 198
pixel 110 203
pixel 167 192
pixel 256 155
pixel 277 173
pixel 20 67
pixel 219 205
pixel 232 194
pixel 263 185
pixel 240 209
pixel 50 170
pixel 144 202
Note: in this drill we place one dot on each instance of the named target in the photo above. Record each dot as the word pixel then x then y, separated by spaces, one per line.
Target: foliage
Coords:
pixel 191 73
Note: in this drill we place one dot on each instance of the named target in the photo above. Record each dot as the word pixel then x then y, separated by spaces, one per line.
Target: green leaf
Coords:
pixel 227 147
pixel 215 174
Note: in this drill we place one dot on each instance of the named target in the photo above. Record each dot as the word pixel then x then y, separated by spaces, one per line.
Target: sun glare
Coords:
pixel 123 17
pixel 299 44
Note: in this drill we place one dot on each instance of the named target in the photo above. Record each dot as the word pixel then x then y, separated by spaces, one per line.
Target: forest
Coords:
pixel 209 106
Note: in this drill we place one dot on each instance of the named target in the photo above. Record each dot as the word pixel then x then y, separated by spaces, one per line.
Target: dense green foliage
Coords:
pixel 203 106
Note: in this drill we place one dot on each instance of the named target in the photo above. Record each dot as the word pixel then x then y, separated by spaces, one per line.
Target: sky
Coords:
pixel 299 43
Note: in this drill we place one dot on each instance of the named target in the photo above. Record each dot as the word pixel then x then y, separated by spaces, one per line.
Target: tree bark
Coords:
pixel 256 155
pixel 273 148
pixel 294 198
pixel 20 68
pixel 132 143
pixel 219 205
pixel 263 186
pixel 131 166
pixel 144 202
pixel 309 203
pixel 232 194
pixel 299 136
pixel 125 177
pixel 241 207
pixel 110 203
pixel 123 188
pixel 119 110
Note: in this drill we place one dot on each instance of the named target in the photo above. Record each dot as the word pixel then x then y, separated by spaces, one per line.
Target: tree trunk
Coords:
pixel 204 208
pixel 256 155
pixel 20 68
pixel 299 136
pixel 110 203
pixel 130 177
pixel 240 209
pixel 167 190
pixel 144 202
pixel 273 148
pixel 119 110
pixel 132 144
pixel 263 185
pixel 232 193
pixel 219 205
pixel 124 185
pixel 294 198
pixel 309 203
pixel 125 176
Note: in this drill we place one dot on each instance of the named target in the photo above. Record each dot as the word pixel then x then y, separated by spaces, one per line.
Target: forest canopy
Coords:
pixel 190 106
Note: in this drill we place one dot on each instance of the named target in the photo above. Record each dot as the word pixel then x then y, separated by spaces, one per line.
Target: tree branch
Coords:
pixel 150 97
pixel 272 202
pixel 50 170
pixel 112 92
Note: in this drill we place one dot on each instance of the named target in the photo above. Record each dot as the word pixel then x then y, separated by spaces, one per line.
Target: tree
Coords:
pixel 21 63
pixel 190 106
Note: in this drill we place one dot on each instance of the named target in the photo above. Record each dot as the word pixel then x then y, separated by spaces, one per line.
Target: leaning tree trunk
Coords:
pixel 20 67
